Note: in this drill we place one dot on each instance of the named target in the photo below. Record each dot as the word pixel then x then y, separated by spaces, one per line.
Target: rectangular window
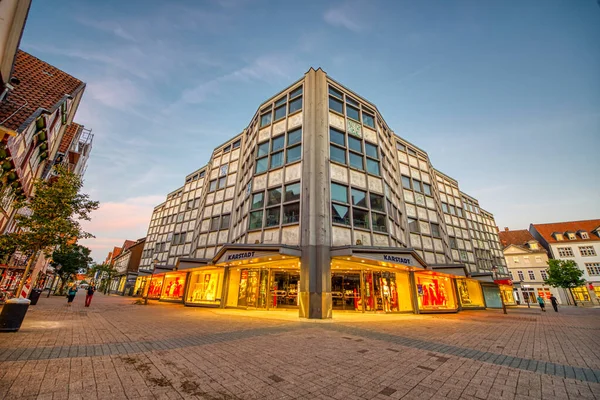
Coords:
pixel 212 186
pixel 413 225
pixel 406 182
pixel 292 192
pixel 453 243
pixel 565 252
pixel 459 212
pixel 337 154
pixel 258 200
pixel 336 105
pixel 261 165
pixel 379 222
pixel 273 216
pixel 544 274
pixel 274 196
pixel 417 185
pixel 376 202
pixel 335 93
pixel 427 189
pixel 295 105
pixel 222 182
pixel 291 213
pixel 280 112
pixel 373 167
pixel 293 154
pixel 359 198
pixel 356 161
pixel 587 251
pixel 339 193
pixel 256 218
pixel 294 137
pixel 435 230
pixel 225 221
pixel 521 275
pixel 337 137
pixel 371 151
pixel 400 147
pixel 236 144
pixel 262 150
pixel 531 275
pixel 452 209
pixel 355 144
pixel 593 269
pixel 538 259
pixel 368 120
pixel 526 259
pixel 296 92
pixel 276 160
pixel 445 207
pixel 214 223
pixel 277 143
pixel 352 113
pixel 360 218
pixel 265 119
pixel 339 214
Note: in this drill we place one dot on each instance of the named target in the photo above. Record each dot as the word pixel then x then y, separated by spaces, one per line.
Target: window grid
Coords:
pixel 358 208
pixel 593 269
pixel 565 252
pixel 275 207
pixel 354 152
pixel 279 151
pixel 587 251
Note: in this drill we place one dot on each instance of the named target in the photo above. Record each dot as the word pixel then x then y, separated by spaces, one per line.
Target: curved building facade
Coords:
pixel 318 205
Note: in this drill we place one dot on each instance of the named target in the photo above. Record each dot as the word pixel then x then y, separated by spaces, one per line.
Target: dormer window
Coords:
pixel 533 246
pixel 583 234
pixel 558 236
pixel 571 236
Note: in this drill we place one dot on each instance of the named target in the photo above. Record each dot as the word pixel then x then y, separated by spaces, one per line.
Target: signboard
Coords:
pixel 404 259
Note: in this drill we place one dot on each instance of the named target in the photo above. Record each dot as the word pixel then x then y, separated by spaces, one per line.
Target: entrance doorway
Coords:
pixel 264 288
pixel 345 291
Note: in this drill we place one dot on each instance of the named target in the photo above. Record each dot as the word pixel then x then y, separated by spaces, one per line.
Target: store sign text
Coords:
pixel 398 260
pixel 239 256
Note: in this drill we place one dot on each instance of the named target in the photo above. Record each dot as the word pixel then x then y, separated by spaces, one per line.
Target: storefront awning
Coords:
pixel 157 271
pixel 507 282
pixel 187 263
pixel 451 269
pixel 383 255
pixel 240 254
pixel 483 277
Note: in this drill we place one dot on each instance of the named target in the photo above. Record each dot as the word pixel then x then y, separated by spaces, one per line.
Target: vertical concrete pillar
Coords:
pixel 315 269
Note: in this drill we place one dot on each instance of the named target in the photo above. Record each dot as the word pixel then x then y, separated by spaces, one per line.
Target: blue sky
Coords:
pixel 503 95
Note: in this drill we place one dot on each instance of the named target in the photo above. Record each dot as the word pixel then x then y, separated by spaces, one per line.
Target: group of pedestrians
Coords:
pixel 88 297
pixel 542 303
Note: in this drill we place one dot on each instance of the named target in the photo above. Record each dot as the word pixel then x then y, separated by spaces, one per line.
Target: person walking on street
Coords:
pixel 90 293
pixel 71 294
pixel 542 304
pixel 554 301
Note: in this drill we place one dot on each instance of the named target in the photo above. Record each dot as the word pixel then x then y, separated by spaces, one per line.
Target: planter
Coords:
pixel 43 146
pixel 3 153
pixel 42 136
pixel 11 177
pixel 7 165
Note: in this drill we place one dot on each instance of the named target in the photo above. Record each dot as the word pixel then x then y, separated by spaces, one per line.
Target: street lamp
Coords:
pixel 154 262
pixel 495 270
pixel 524 296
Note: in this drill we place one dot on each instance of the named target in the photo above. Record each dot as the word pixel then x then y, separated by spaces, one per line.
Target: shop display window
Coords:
pixel 581 293
pixel 173 287
pixel 155 287
pixel 205 287
pixel 507 295
pixel 470 293
pixel 435 292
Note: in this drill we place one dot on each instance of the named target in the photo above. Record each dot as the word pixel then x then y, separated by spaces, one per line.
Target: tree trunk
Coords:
pixel 31 261
pixel 52 285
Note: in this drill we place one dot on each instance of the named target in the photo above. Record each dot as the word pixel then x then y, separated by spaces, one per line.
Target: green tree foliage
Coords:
pixel 564 274
pixel 104 272
pixel 70 260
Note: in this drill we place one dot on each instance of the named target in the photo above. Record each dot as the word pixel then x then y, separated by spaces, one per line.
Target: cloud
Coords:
pixel 114 92
pixel 343 17
pixel 112 27
pixel 115 222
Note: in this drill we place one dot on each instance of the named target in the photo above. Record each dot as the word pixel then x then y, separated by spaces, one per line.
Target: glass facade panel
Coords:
pixel 273 216
pixel 337 154
pixel 435 292
pixel 256 218
pixel 356 161
pixel 373 167
pixel 291 213
pixel 294 137
pixel 340 214
pixel 173 286
pixel 292 192
pixel 293 154
pixel 359 198
pixel 336 105
pixel 205 287
pixel 337 137
pixel 470 293
pixel 360 218
pixel 339 193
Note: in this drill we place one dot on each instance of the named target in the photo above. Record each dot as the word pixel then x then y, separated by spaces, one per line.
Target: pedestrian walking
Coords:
pixel 90 293
pixel 542 304
pixel 554 302
pixel 71 294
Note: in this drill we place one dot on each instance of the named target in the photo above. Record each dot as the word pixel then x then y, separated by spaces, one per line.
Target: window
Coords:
pixel 378 222
pixel 293 154
pixel 273 216
pixel 212 186
pixel 265 119
pixel 544 274
pixel 335 93
pixel 340 214
pixel 296 92
pixel 360 218
pixel 355 144
pixel 453 243
pixel 558 236
pixel 292 192
pixel 452 209
pixel 376 202
pixel 336 105
pixel 571 236
pixel 531 275
pixel 593 269
pixel 587 251
pixel 337 137
pixel 256 218
pixel 291 213
pixel 258 200
pixel 339 193
pixel 413 225
pixel 227 149
pixel 565 252
pixel 406 182
pixel 435 230
pixel 276 160
pixel 277 143
pixel 236 144
pixel 516 259
pixel 521 276
pixel 356 161
pixel 526 259
pixel 417 185
pixel 400 147
pixel 222 182
pixel 294 137
pixel 225 221
pixel 427 190
pixel 584 235
pixel 359 198
pixel 371 151
pixel 373 167
pixel 274 196
pixel 280 111
pixel 538 259
pixel 352 113
pixel 214 223
pixel 263 149
pixel 445 207
pixel 368 120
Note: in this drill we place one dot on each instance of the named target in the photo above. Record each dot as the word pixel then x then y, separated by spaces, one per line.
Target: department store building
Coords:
pixel 319 206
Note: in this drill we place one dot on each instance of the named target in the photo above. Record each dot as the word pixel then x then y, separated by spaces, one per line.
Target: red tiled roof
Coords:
pixel 518 237
pixel 546 230
pixel 67 138
pixel 41 85
pixel 128 244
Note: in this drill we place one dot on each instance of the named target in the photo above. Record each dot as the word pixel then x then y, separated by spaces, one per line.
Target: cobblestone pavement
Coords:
pixel 118 350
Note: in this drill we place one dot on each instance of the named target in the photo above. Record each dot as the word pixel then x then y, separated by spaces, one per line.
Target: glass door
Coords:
pixel 284 288
pixel 345 291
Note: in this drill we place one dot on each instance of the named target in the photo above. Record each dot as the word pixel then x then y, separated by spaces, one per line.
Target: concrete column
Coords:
pixel 315 269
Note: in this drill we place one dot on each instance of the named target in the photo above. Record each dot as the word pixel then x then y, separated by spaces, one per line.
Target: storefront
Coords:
pixel 470 293
pixel 173 286
pixel 435 292
pixel 505 286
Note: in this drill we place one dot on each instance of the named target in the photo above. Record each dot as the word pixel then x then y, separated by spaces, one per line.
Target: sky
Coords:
pixel 503 95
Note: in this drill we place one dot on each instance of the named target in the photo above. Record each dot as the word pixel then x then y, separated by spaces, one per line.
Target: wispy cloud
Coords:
pixel 343 16
pixel 111 27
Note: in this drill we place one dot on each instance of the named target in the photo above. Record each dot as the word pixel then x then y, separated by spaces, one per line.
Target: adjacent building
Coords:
pixel 126 265
pixel 578 241
pixel 527 262
pixel 318 205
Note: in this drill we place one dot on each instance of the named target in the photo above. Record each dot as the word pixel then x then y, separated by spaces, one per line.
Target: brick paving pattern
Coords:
pixel 118 350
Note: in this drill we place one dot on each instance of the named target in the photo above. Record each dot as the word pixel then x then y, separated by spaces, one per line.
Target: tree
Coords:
pixel 50 218
pixel 564 274
pixel 70 260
